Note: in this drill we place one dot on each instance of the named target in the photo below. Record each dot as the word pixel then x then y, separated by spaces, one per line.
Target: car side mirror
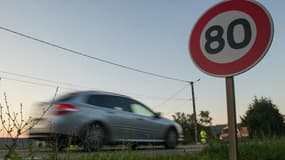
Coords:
pixel 157 115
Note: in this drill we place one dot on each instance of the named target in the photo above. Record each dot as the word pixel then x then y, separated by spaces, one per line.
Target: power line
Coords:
pixel 36 78
pixel 34 83
pixel 172 96
pixel 88 56
pixel 57 83
pixel 69 88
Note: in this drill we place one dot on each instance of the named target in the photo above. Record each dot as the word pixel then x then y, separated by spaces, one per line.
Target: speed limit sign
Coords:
pixel 231 37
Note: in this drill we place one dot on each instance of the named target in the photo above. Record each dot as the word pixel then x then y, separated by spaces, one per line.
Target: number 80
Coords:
pixel 230 36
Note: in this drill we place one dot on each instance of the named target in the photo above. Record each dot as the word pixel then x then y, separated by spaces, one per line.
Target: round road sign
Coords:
pixel 231 37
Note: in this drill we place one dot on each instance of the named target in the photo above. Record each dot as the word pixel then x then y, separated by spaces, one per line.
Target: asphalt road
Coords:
pixel 76 153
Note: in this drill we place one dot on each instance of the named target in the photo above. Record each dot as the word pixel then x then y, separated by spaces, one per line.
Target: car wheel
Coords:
pixel 94 138
pixel 171 139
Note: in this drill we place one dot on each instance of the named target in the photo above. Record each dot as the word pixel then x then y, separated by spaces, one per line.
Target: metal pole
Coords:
pixel 231 105
pixel 194 111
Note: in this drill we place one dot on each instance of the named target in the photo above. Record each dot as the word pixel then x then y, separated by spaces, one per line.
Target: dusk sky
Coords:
pixel 148 35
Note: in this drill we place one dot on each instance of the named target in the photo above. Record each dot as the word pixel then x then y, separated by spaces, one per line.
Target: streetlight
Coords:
pixel 194 108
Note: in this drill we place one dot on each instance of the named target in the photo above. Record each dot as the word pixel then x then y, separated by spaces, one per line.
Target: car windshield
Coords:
pixel 141 110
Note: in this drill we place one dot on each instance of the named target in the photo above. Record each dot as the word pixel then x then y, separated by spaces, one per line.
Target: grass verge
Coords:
pixel 265 149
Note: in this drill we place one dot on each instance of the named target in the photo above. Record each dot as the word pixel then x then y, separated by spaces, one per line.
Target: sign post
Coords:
pixel 232 118
pixel 227 40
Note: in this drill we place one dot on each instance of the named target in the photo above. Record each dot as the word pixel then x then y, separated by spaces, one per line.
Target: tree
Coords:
pixel 187 123
pixel 263 118
pixel 205 118
pixel 206 121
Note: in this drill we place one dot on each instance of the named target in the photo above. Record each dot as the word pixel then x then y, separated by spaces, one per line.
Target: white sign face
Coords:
pixel 219 50
pixel 231 37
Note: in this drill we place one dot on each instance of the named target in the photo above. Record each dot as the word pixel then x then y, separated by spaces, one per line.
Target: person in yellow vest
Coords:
pixel 203 136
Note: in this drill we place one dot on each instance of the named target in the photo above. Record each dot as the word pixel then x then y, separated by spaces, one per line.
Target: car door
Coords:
pixel 111 110
pixel 148 124
pixel 121 119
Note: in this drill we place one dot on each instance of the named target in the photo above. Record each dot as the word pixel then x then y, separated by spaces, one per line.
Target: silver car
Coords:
pixel 96 118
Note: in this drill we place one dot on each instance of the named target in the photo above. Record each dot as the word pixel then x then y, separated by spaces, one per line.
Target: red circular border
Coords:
pixel 264 34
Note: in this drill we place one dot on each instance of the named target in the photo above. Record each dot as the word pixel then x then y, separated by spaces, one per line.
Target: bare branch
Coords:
pixel 14 124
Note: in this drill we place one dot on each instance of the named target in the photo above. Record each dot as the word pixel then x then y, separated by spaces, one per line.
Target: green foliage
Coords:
pixel 13 156
pixel 266 149
pixel 263 119
pixel 205 119
pixel 187 123
pixel 215 151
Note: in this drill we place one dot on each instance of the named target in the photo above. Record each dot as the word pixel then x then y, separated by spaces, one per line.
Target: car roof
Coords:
pixel 98 92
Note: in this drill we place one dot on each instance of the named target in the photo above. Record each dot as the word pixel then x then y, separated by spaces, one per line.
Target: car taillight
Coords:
pixel 63 109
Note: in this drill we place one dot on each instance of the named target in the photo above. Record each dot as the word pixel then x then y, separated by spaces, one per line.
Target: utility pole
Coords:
pixel 194 109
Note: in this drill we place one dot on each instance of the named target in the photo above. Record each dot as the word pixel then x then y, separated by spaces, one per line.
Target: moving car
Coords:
pixel 96 118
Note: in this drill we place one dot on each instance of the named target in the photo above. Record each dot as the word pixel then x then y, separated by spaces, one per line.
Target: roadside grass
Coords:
pixel 265 149
pixel 257 149
pixel 129 155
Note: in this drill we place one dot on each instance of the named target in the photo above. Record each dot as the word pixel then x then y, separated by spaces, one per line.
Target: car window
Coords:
pixel 100 100
pixel 120 103
pixel 140 109
pixel 109 101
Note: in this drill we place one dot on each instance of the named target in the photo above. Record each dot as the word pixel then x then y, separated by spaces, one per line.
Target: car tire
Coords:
pixel 171 139
pixel 94 137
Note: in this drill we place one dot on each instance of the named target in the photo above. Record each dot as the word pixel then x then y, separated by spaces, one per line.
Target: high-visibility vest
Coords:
pixel 203 134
